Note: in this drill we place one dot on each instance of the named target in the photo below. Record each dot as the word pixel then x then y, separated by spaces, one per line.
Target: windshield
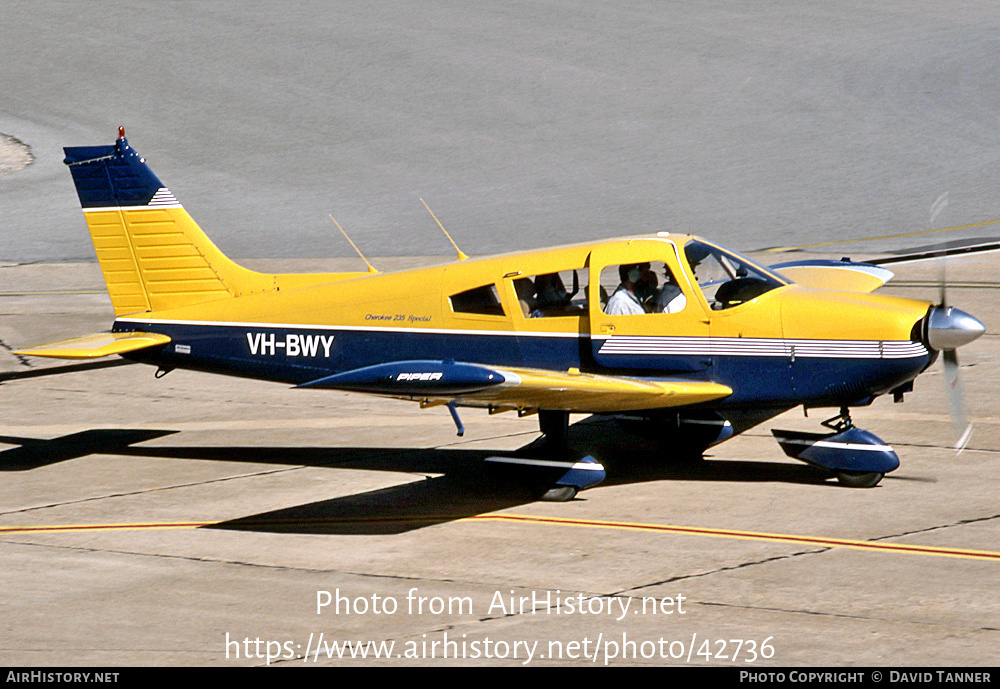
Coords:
pixel 725 278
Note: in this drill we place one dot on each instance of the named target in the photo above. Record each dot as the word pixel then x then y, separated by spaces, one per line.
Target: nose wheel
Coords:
pixel 851 479
pixel 859 479
pixel 858 458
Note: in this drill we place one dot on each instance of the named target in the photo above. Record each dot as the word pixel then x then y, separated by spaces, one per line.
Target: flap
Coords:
pixel 845 276
pixel 97 345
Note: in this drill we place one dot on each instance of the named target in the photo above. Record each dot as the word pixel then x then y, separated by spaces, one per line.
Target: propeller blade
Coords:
pixel 939 205
pixel 956 399
pixel 949 328
pixel 943 284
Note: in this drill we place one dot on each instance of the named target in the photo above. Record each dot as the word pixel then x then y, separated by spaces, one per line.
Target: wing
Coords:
pixel 847 276
pixel 97 345
pixel 522 389
pixel 593 393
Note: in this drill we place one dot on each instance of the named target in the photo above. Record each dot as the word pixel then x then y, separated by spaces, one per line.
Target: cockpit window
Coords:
pixel 727 279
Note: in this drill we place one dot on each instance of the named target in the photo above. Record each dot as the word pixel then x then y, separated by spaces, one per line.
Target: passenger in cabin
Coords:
pixel 525 290
pixel 635 285
pixel 670 298
pixel 551 298
pixel 646 290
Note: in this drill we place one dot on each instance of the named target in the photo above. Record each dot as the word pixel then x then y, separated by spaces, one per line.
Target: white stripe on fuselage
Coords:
pixel 624 345
pixel 761 347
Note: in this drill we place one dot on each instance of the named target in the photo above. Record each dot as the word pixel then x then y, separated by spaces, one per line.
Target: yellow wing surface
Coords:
pixel 97 345
pixel 533 389
pixel 837 275
pixel 525 390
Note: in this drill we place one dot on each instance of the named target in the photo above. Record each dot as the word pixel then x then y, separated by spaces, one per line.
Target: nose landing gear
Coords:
pixel 858 458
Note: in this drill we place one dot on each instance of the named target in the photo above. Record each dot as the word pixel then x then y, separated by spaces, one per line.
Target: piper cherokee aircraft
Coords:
pixel 670 330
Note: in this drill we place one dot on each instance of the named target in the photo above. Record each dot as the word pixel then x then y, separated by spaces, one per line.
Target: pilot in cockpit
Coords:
pixel 633 290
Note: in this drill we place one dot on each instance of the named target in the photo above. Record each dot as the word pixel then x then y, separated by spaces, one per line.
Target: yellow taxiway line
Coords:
pixel 820 541
pixel 753 535
pixel 55 528
pixel 782 249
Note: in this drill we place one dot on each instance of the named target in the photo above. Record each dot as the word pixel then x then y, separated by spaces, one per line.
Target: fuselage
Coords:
pixel 784 346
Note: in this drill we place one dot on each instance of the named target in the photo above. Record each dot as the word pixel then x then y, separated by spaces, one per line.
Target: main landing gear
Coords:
pixel 858 458
pixel 559 475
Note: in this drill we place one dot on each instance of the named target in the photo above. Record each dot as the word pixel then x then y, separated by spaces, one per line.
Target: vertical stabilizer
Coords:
pixel 152 253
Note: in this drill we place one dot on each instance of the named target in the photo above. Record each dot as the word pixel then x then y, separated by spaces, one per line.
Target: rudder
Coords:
pixel 152 253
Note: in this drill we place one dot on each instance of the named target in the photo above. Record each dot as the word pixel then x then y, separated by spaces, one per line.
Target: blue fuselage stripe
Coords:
pixel 299 354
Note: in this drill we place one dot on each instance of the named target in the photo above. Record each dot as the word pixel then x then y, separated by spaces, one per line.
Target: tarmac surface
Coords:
pixel 199 520
pixel 196 519
pixel 523 124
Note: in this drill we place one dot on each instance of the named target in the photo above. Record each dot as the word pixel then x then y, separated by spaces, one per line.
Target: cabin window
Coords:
pixel 634 289
pixel 549 295
pixel 483 300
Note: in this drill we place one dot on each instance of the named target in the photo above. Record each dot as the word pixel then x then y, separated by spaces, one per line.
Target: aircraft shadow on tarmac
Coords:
pixel 457 483
pixel 33 453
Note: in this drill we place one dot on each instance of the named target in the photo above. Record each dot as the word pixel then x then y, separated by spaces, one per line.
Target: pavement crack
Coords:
pixel 718 570
pixel 840 615
pixel 938 527
pixel 813 551
pixel 96 498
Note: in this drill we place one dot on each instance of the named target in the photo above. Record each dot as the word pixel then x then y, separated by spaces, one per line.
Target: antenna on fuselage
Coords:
pixel 371 268
pixel 461 254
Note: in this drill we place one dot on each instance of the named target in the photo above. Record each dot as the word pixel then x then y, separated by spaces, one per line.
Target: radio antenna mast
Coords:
pixel 371 268
pixel 461 254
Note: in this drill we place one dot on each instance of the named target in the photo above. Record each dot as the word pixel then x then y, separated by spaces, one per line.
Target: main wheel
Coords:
pixel 859 479
pixel 560 494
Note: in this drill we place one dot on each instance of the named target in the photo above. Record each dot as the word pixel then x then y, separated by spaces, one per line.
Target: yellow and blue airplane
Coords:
pixel 669 330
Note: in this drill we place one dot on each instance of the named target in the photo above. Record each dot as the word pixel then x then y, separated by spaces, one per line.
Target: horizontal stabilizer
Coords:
pixel 97 345
pixel 845 276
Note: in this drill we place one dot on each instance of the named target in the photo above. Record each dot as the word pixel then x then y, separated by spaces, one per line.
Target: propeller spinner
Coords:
pixel 948 329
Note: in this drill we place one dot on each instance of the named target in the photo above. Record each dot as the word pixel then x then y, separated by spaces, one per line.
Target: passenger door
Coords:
pixel 638 335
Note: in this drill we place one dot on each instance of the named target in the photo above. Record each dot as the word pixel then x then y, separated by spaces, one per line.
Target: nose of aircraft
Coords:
pixel 950 328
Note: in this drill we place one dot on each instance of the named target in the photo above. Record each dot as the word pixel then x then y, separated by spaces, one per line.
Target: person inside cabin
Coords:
pixel 525 291
pixel 670 298
pixel 637 284
pixel 551 296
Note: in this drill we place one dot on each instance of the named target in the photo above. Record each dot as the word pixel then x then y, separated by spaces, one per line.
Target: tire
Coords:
pixel 859 479
pixel 560 494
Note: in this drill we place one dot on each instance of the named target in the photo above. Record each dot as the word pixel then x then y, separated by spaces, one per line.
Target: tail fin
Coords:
pixel 152 253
